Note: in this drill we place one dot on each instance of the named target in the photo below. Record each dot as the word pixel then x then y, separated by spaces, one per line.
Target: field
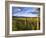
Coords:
pixel 29 23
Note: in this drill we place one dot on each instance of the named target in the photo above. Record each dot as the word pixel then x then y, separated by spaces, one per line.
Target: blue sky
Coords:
pixel 25 11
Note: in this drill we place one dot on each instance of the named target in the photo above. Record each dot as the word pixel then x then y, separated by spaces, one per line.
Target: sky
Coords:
pixel 25 11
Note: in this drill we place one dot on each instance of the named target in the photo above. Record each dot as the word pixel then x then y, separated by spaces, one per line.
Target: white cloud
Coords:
pixel 26 15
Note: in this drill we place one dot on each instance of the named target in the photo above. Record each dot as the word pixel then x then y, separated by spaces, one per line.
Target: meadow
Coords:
pixel 25 23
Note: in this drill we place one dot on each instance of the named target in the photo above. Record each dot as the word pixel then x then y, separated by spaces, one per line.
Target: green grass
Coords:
pixel 19 24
